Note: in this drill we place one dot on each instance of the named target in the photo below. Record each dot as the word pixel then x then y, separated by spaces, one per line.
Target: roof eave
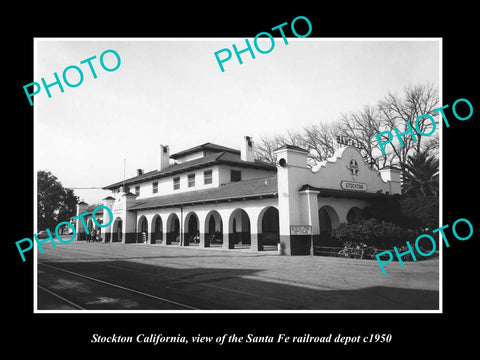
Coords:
pixel 215 161
pixel 160 175
pixel 208 201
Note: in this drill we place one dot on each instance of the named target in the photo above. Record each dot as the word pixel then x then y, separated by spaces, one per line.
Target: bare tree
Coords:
pixel 402 112
pixel 432 146
pixel 320 140
pixel 265 147
pixel 363 126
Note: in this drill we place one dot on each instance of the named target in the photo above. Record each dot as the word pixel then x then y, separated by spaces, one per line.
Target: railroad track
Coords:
pixel 106 285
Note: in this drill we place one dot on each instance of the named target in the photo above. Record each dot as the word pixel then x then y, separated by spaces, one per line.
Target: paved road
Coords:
pixel 95 276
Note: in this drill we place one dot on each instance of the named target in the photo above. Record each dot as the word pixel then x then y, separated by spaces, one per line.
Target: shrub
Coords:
pixel 406 212
pixel 367 237
pixel 372 232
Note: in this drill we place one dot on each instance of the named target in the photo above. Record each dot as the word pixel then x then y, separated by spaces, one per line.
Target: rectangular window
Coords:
pixel 191 180
pixel 176 183
pixel 137 190
pixel 155 187
pixel 235 175
pixel 207 177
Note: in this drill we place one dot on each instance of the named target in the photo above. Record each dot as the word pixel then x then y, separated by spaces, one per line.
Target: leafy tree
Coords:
pixel 424 210
pixel 420 175
pixel 55 203
pixel 385 208
pixel 418 207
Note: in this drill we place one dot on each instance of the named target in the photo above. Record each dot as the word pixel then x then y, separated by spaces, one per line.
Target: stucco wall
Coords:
pixel 165 185
pixel 247 173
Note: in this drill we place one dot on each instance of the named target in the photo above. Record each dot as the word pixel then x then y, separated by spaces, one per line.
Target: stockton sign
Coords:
pixel 351 185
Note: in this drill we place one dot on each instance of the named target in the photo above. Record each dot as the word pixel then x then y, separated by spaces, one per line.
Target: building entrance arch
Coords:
pixel 269 229
pixel 157 230
pixel 142 232
pixel 328 220
pixel 239 225
pixel 213 229
pixel 90 228
pixel 192 233
pixel 173 229
pixel 354 215
pixel 117 234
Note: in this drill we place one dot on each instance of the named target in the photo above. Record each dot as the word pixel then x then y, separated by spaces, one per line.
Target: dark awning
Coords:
pixel 325 192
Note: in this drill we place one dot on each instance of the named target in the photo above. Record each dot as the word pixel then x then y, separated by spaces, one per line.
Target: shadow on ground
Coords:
pixel 229 288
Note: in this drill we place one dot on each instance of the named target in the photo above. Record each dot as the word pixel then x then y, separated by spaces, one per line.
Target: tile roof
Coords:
pixel 217 158
pixel 263 187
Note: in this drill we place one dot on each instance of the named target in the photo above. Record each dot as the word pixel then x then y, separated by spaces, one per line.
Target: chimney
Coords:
pixel 139 172
pixel 164 157
pixel 246 151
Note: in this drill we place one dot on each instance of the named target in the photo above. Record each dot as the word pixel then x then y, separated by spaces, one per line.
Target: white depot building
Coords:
pixel 211 195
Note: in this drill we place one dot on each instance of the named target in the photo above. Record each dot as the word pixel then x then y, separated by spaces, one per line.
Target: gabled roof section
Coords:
pixel 204 147
pixel 242 190
pixel 223 157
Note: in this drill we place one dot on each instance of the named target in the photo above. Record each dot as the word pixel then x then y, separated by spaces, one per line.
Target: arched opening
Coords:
pixel 157 230
pixel 354 215
pixel 173 229
pixel 213 229
pixel 142 230
pixel 117 235
pixel 239 235
pixel 90 228
pixel 192 234
pixel 328 219
pixel 269 229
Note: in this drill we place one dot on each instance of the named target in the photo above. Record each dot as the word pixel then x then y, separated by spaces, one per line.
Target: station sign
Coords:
pixel 300 230
pixel 353 186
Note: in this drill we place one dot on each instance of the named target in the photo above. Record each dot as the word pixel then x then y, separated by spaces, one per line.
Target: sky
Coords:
pixel 172 92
